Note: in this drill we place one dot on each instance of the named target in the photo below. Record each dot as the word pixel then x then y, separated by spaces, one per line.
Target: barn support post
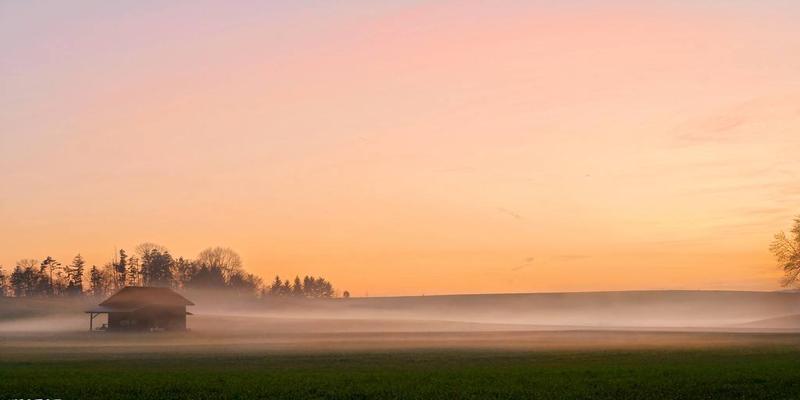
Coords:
pixel 91 321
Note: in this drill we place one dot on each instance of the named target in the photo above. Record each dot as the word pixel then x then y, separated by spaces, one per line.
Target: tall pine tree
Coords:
pixel 121 270
pixel 75 276
pixel 49 286
pixel 96 282
pixel 133 272
pixel 297 287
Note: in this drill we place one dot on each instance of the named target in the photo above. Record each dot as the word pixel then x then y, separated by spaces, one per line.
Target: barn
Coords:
pixel 136 308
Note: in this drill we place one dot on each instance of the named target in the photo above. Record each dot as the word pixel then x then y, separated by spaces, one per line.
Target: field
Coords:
pixel 599 365
pixel 449 347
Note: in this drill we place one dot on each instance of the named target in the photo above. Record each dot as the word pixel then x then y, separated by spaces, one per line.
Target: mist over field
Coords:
pixel 220 312
pixel 555 345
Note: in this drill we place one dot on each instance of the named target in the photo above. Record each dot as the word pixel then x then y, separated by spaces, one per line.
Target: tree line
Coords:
pixel 308 287
pixel 152 265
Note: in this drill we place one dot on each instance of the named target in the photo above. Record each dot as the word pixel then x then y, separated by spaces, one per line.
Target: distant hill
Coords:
pixel 27 307
pixel 670 308
pixel 791 322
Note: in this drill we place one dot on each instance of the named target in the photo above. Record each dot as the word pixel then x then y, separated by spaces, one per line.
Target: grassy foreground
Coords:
pixel 755 373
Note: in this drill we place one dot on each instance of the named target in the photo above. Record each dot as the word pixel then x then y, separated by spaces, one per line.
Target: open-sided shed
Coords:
pixel 135 308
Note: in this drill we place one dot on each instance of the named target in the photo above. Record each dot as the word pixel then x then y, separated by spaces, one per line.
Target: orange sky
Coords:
pixel 405 148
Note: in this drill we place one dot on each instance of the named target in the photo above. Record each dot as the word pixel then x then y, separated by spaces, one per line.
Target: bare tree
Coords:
pixel 787 252
pixel 146 248
pixel 222 258
pixel 3 282
pixel 155 265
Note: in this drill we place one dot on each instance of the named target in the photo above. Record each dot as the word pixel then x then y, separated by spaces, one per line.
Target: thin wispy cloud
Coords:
pixel 527 262
pixel 748 120
pixel 361 140
pixel 511 213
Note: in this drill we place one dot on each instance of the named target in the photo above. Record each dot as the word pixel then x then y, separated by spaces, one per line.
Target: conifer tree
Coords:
pixel 276 287
pixel 297 287
pixel 75 276
pixel 96 282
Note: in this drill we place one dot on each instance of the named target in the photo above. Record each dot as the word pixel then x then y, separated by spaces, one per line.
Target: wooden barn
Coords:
pixel 135 308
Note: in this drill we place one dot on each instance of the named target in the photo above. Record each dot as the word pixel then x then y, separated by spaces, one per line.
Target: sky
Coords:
pixel 405 147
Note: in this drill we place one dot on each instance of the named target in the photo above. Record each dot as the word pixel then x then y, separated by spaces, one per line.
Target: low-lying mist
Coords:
pixel 221 313
pixel 222 323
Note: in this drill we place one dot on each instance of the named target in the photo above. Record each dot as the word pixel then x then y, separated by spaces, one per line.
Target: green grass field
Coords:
pixel 736 373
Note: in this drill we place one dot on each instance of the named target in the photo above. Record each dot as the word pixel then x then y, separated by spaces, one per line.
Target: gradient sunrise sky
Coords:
pixel 403 147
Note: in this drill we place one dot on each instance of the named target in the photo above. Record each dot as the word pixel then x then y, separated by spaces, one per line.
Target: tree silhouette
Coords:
pixel 277 287
pixel 223 258
pixel 75 276
pixel 121 269
pixel 286 289
pixel 297 287
pixel 52 285
pixel 18 283
pixel 316 287
pixel 3 282
pixel 206 278
pixel 157 268
pixel 244 284
pixel 215 268
pixel 96 286
pixel 133 273
pixel 184 272
pixel 28 279
pixel 787 252
pixel 309 287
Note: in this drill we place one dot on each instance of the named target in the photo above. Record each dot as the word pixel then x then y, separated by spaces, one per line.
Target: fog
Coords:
pixel 221 323
pixel 674 310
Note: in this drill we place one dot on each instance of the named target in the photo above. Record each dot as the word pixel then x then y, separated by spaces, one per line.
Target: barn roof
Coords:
pixel 136 296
